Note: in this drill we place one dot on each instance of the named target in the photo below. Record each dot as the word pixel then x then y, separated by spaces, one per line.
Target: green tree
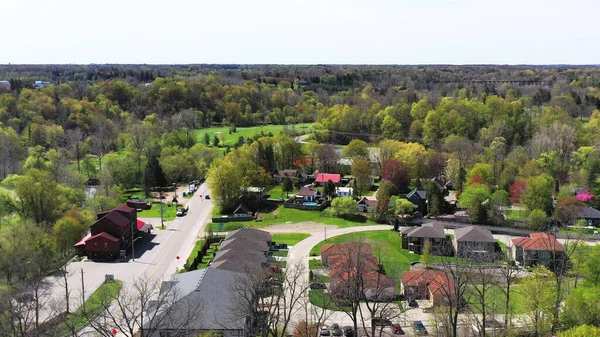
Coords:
pixel 386 190
pixel 581 307
pixel 402 206
pixel 67 231
pixel 426 255
pixel 581 331
pixel 225 184
pixel 357 149
pixel 361 170
pixel 436 204
pixel 483 170
pixel 287 185
pixel 329 189
pixel 537 220
pixel 206 139
pixel 216 141
pixel 344 206
pixel 540 304
pixel 472 199
pixel 538 193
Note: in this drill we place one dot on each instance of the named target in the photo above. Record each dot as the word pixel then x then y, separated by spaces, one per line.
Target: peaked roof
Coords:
pixel 249 233
pixel 589 213
pixel 125 208
pixel 238 265
pixel 103 235
pixel 241 209
pixel 307 191
pixel 114 219
pixel 240 253
pixel 420 194
pixel 325 177
pixel 540 242
pixel 428 230
pixel 346 248
pixel 434 280
pixel 245 243
pixel 473 234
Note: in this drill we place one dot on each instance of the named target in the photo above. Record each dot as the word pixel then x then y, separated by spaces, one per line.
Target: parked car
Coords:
pixel 413 303
pixel 397 329
pixel 335 329
pixel 348 331
pixel 380 321
pixel 180 211
pixel 207 197
pixel 420 329
pixel 317 285
pixel 325 331
pixel 274 281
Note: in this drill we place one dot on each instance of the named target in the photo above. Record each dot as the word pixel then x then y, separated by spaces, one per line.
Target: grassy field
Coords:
pixel 154 212
pixel 289 238
pixel 94 305
pixel 277 192
pixel 496 299
pixel 314 264
pixel 283 215
pixel 386 247
pixel 322 299
pixel 248 132
pixel 516 215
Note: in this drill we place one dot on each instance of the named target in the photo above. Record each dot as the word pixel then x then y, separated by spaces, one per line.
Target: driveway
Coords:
pixel 155 257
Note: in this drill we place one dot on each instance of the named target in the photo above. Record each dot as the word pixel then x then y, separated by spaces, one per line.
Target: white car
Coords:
pixel 325 331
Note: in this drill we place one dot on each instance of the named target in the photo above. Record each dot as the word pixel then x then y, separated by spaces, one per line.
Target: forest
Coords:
pixel 515 134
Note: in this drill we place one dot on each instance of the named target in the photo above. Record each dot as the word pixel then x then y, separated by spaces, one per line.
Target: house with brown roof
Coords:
pixel 280 175
pixel 367 205
pixel 415 238
pixel 113 232
pixel 344 249
pixel 538 249
pixel 308 193
pixel 433 285
pixel 475 243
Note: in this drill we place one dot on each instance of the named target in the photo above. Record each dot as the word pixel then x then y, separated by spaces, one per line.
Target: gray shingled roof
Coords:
pixel 419 193
pixel 240 265
pixel 209 291
pixel 240 253
pixel 249 233
pixel 590 213
pixel 473 234
pixel 246 243
pixel 428 230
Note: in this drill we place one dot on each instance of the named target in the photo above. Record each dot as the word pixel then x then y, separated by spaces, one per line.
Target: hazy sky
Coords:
pixel 300 31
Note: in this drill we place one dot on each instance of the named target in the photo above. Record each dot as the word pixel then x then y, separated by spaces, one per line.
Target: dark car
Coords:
pixel 413 303
pixel 348 331
pixel 317 285
pixel 380 321
pixel 397 329
pixel 419 328
pixel 207 197
pixel 335 329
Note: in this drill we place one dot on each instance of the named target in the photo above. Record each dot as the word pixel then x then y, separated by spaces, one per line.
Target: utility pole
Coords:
pixel 162 222
pixel 325 232
pixel 132 243
pixel 82 292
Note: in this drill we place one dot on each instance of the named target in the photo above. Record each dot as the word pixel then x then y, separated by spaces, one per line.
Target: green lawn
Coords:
pixel 516 215
pixel 154 212
pixel 322 299
pixel 94 305
pixel 248 132
pixel 386 247
pixel 289 238
pixel 283 215
pixel 277 192
pixel 314 264
pixel 280 253
pixel 496 299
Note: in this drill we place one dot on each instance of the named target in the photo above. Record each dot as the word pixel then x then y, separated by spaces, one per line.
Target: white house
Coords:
pixel 344 191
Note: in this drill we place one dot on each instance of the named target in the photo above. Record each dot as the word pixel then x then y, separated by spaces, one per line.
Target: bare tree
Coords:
pixel 75 138
pixel 146 306
pixel 102 137
pixel 509 272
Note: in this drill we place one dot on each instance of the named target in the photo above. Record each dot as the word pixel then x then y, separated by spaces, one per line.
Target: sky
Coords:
pixel 300 31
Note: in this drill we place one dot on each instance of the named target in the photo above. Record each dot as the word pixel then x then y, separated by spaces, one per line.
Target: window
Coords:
pixel 105 245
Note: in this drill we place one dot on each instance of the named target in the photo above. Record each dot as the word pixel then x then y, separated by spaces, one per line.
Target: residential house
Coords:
pixel 254 192
pixel 344 248
pixel 242 211
pixel 419 198
pixel 475 243
pixel 40 84
pixel 250 233
pixel 204 300
pixel 591 216
pixel 323 178
pixel 414 239
pixel 279 176
pixel 367 205
pixel 538 249
pixel 435 286
pixel 308 193
pixel 247 243
pixel 344 191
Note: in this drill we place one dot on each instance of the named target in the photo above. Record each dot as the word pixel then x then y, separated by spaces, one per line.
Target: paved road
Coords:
pixel 155 256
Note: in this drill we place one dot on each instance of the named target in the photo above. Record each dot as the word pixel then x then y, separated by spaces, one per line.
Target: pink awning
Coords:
pixel 142 226
pixel 82 242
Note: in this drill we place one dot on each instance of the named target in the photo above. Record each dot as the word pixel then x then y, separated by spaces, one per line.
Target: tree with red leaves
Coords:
pixel 586 196
pixel 397 172
pixel 477 179
pixel 516 190
pixel 568 211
